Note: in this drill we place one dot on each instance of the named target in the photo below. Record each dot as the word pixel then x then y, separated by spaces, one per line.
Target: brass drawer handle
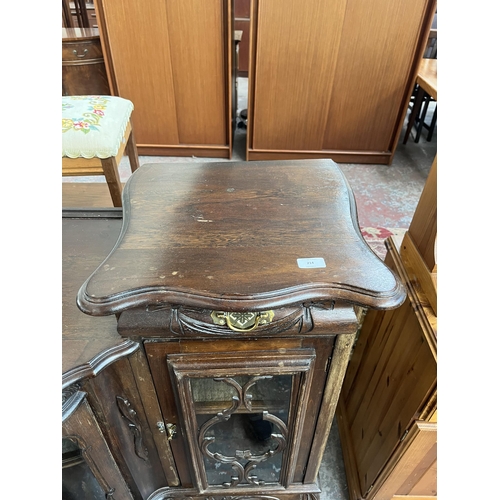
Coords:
pixel 242 321
pixel 80 55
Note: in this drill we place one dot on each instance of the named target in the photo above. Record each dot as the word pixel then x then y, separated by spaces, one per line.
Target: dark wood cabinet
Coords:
pixel 83 68
pixel 80 426
pixel 222 321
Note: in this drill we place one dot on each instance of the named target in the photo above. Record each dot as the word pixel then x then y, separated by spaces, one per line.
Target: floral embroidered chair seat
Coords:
pixel 96 131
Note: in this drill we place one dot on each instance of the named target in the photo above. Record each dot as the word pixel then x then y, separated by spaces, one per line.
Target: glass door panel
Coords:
pixel 243 414
pixel 242 425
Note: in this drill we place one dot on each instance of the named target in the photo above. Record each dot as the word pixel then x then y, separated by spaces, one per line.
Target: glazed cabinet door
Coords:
pixel 131 422
pixel 245 411
pixel 83 436
pixel 243 418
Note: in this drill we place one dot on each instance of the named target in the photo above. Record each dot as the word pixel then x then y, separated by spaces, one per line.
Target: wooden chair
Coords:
pixel 96 131
pixel 78 8
pixel 420 100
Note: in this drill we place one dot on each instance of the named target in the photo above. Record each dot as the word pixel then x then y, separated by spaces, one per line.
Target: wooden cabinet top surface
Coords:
pixel 236 237
pixel 88 344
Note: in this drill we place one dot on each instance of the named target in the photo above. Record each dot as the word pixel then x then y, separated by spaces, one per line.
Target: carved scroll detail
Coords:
pixel 243 398
pixel 184 321
pixel 166 493
pixel 309 496
pixel 129 414
pixel 72 396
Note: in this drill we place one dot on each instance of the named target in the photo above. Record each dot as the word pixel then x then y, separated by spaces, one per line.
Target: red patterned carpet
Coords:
pixel 375 237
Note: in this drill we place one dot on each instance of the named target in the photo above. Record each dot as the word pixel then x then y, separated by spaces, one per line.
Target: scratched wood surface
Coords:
pixel 228 236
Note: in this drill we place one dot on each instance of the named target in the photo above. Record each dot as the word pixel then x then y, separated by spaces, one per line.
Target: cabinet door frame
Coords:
pixel 299 363
pixel 79 424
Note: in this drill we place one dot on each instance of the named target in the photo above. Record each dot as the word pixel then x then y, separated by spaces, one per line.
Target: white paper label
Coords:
pixel 311 263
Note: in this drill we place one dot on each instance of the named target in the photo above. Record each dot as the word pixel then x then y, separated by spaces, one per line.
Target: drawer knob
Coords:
pixel 80 55
pixel 242 321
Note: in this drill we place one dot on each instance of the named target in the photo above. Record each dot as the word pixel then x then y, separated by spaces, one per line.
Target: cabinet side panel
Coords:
pixel 197 42
pixel 423 227
pixel 323 348
pixel 379 39
pixel 140 53
pixel 415 382
pixel 157 358
pixel 388 388
pixel 296 53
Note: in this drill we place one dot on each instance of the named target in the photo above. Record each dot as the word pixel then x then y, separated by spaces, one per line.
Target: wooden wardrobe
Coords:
pixel 174 60
pixel 332 78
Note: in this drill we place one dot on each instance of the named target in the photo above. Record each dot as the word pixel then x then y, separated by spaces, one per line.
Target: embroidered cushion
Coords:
pixel 93 125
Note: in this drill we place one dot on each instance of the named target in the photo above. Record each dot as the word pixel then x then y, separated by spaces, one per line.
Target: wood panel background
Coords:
pixel 294 67
pixel 150 86
pixel 375 59
pixel 332 77
pixel 390 385
pixel 172 60
pixel 423 227
pixel 197 55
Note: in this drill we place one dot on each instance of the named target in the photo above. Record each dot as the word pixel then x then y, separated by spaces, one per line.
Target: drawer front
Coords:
pixel 326 318
pixel 81 51
pixel 86 78
pixel 412 470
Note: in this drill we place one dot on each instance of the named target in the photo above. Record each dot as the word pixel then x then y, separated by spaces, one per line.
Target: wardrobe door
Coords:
pixel 295 55
pixel 332 78
pixel 172 59
pixel 138 37
pixel 379 41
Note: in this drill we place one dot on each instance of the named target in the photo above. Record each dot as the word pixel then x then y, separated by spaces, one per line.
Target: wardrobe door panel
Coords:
pixel 375 59
pixel 296 51
pixel 138 34
pixel 198 69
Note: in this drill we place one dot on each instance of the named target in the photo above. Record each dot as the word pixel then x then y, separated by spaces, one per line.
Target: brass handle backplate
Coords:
pixel 242 321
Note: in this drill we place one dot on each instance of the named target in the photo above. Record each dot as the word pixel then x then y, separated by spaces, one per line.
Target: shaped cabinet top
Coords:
pixel 239 236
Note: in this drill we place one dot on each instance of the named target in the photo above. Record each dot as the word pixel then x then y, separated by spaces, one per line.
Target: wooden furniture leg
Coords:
pixel 414 113
pixel 131 149
pixel 422 114
pixel 110 168
pixel 432 125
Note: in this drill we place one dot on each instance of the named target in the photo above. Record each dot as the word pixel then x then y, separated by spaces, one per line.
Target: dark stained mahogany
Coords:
pixel 227 236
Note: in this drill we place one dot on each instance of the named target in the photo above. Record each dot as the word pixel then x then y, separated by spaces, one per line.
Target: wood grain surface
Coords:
pixel 228 236
pixel 171 60
pixel 88 344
